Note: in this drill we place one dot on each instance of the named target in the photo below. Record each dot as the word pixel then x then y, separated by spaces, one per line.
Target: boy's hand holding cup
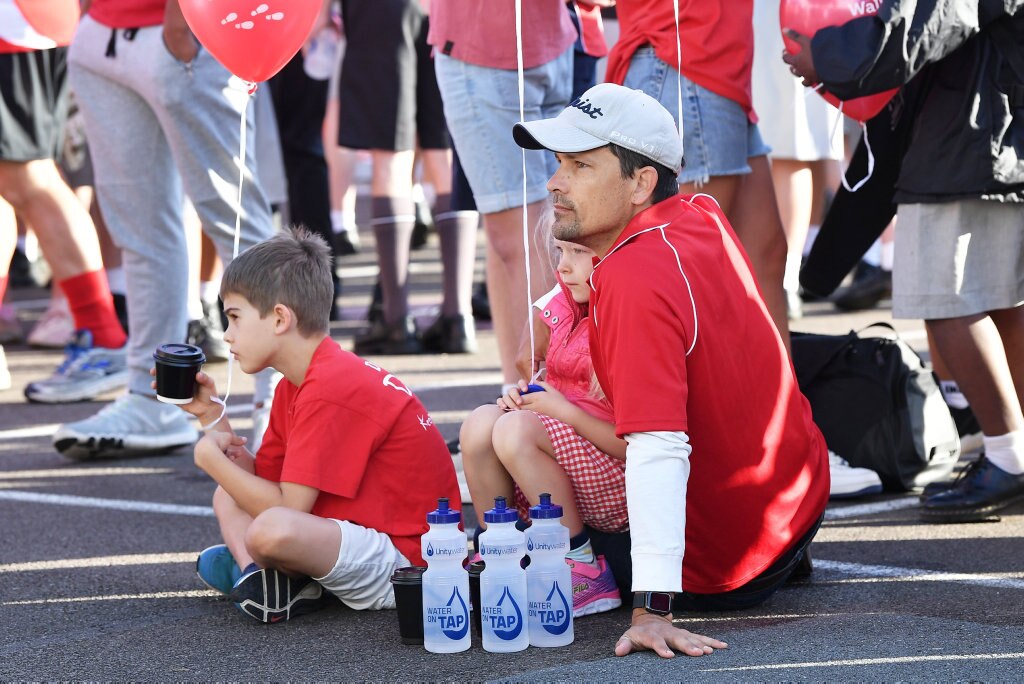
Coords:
pixel 180 381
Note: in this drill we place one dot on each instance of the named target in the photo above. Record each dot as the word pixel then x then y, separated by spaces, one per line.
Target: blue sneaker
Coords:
pixel 217 568
pixel 86 372
pixel 269 595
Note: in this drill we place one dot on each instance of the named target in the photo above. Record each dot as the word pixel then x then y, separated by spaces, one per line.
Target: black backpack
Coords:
pixel 878 406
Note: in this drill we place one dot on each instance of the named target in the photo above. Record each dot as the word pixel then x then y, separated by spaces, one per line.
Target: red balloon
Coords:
pixel 807 16
pixel 55 19
pixel 253 39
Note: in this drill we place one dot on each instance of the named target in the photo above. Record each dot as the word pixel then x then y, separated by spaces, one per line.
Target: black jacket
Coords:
pixel 967 140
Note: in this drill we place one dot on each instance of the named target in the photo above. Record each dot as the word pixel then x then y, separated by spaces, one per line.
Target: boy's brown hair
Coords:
pixel 292 268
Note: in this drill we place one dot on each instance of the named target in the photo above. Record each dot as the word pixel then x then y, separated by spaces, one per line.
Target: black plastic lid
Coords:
pixel 178 352
pixel 411 574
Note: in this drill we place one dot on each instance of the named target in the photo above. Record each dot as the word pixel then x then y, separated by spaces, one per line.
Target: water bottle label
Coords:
pixel 562 546
pixel 554 613
pixel 455 548
pixel 505 619
pixel 452 618
pixel 500 550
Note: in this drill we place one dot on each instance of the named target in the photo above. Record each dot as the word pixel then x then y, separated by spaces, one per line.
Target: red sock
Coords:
pixel 92 308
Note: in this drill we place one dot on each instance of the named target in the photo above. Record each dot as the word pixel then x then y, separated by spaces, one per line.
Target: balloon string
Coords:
pixel 251 89
pixel 871 159
pixel 526 229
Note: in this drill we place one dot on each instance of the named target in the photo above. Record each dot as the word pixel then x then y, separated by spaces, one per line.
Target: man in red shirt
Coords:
pixel 723 458
pixel 337 495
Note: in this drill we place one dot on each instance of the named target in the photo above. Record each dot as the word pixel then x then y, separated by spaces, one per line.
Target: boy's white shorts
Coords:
pixel 361 578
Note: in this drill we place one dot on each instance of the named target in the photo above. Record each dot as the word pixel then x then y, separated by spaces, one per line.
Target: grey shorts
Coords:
pixel 958 259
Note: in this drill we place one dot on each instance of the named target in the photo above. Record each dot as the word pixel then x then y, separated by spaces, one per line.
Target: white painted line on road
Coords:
pixel 197 593
pixel 101 562
pixel 79 472
pixel 871 508
pixel 897 574
pixel 48 429
pixel 112 504
pixel 873 661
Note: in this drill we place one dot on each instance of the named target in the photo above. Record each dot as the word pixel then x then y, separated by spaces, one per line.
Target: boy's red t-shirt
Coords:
pixel 128 13
pixel 717 39
pixel 356 433
pixel 681 341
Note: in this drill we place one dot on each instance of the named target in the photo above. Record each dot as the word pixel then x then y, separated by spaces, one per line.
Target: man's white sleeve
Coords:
pixel 657 470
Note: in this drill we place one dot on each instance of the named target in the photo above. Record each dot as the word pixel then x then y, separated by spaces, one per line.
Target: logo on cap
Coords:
pixel 587 108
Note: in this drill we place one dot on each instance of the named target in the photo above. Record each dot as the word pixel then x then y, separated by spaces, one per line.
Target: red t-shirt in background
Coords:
pixel 128 13
pixel 356 433
pixel 484 32
pixel 717 38
pixel 759 467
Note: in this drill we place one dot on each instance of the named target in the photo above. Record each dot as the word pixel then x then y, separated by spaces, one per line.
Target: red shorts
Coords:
pixel 598 480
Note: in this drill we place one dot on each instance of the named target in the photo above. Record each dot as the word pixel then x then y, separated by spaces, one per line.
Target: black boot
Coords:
pixel 388 340
pixel 871 284
pixel 450 335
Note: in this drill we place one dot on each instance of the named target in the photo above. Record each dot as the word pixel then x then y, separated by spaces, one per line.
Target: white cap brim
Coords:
pixel 555 135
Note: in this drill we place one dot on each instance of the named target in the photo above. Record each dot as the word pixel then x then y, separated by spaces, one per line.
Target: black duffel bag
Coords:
pixel 878 406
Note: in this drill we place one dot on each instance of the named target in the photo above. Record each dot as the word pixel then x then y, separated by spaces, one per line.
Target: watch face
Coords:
pixel 659 602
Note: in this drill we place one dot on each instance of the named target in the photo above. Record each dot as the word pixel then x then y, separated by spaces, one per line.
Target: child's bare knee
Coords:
pixel 268 533
pixel 513 432
pixel 476 429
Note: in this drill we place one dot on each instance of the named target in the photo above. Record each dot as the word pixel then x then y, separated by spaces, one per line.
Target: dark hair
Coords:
pixel 292 268
pixel 630 162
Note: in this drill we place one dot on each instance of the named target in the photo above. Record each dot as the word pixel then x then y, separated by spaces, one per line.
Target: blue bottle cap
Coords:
pixel 443 515
pixel 500 514
pixel 545 510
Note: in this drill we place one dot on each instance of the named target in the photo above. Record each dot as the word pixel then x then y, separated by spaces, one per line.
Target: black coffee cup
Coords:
pixel 176 368
pixel 408 584
pixel 475 568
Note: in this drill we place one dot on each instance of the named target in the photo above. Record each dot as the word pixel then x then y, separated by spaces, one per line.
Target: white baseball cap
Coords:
pixel 608 113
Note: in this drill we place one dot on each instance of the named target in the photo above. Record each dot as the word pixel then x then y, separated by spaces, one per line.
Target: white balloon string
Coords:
pixel 871 160
pixel 251 88
pixel 679 71
pixel 526 229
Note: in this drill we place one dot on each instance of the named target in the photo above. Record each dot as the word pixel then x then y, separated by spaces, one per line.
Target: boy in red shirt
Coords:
pixel 337 495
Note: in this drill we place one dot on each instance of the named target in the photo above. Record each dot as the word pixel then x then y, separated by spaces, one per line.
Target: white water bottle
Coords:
pixel 548 577
pixel 503 582
pixel 445 583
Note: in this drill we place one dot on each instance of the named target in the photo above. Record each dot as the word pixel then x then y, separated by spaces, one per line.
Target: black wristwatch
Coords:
pixel 657 602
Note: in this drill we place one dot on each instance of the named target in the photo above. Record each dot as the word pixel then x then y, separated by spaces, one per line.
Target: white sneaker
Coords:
pixel 54 328
pixel 848 482
pixel 133 425
pixel 85 373
pixel 5 373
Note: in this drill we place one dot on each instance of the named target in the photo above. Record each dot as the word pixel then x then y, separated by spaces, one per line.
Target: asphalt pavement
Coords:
pixel 97 561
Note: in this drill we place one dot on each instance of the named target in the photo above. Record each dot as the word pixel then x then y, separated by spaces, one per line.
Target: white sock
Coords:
pixel 885 259
pixel 952 394
pixel 791 279
pixel 1006 452
pixel 115 278
pixel 874 254
pixel 582 554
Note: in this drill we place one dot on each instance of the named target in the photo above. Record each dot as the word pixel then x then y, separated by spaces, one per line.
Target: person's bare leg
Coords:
pixel 506 278
pixel 1010 324
pixel 294 542
pixel 40 196
pixel 977 360
pixel 794 191
pixel 486 476
pixel 8 236
pixel 233 522
pixel 524 449
pixel 755 218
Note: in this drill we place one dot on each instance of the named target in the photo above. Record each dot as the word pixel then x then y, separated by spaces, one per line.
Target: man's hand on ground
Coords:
pixel 651 632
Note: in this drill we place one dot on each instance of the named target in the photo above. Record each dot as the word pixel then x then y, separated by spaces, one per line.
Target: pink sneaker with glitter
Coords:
pixel 593 588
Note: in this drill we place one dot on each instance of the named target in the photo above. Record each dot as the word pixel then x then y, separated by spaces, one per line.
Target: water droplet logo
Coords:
pixel 430 550
pixel 529 545
pixel 516 623
pixel 459 618
pixel 558 627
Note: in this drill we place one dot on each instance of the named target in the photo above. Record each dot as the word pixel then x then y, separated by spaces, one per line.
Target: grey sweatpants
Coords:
pixel 159 128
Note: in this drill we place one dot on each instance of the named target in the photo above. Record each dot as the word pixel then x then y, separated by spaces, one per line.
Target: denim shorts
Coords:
pixel 718 138
pixel 481 105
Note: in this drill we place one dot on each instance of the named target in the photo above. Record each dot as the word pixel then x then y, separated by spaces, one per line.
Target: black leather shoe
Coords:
pixel 933 488
pixel 978 494
pixel 375 312
pixel 871 284
pixel 388 340
pixel 481 304
pixel 450 335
